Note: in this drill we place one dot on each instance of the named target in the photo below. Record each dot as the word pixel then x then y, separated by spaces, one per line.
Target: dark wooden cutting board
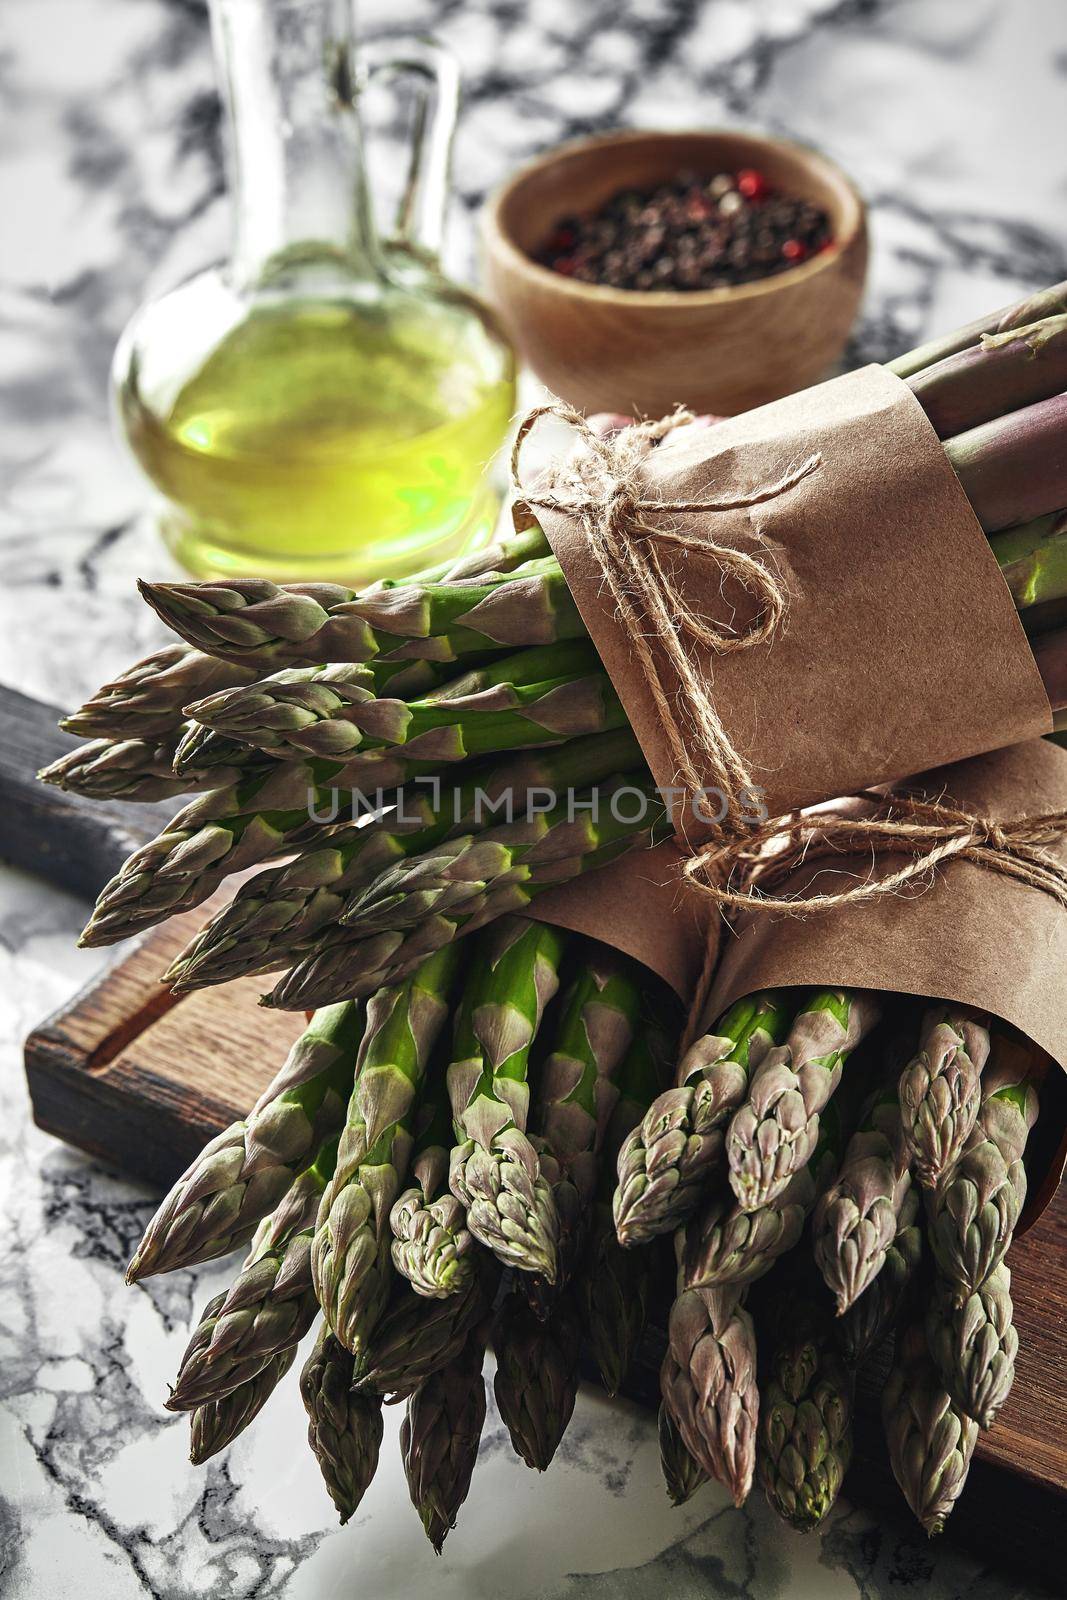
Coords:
pixel 141 1079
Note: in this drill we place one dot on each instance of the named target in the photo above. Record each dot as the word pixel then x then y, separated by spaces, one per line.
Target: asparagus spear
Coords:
pixel 465 882
pixel 930 1440
pixel 440 1435
pixel 530 697
pixel 1033 561
pixel 805 1425
pixel 269 1306
pixel 275 713
pixel 495 1171
pixel 415 1337
pixel 536 1375
pixel 252 620
pixel 974 1346
pixel 972 1213
pixel 857 1219
pixel 776 1130
pixel 614 1284
pixel 126 769
pixel 940 1090
pixel 350 1258
pixel 243 1173
pixel 344 1425
pixel 145 702
pixel 576 1091
pixel 875 1313
pixel 432 1246
pixel 1014 467
pixel 217 1423
pixel 725 1245
pixel 708 1383
pixel 667 1160
pixel 1000 373
pixel 277 914
pixel 682 1475
pixel 1033 308
pixel 223 831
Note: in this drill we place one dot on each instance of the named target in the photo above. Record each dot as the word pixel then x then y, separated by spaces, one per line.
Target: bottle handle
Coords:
pixel 433 70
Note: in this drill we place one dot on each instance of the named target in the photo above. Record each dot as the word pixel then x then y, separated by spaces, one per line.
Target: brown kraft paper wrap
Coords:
pixel 970 935
pixel 899 649
pixel 641 905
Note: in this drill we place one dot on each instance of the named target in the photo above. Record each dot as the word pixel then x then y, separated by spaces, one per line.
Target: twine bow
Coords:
pixel 601 486
pixel 930 832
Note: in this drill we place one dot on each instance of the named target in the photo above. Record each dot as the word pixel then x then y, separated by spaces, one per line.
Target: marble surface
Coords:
pixel 949 114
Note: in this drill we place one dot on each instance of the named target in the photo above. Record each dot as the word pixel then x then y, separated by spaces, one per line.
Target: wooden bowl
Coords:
pixel 721 350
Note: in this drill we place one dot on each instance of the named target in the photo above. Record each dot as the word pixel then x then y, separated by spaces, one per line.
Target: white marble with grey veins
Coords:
pixel 949 113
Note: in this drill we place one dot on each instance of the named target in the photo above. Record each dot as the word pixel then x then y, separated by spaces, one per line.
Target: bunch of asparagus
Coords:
pixel 789 1162
pixel 476 679
pixel 430 1170
pixel 434 1167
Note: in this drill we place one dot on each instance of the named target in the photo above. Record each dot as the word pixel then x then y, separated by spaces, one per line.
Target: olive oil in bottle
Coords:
pixel 321 407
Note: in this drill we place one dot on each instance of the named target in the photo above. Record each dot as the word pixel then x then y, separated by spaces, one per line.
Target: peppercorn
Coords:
pixel 690 233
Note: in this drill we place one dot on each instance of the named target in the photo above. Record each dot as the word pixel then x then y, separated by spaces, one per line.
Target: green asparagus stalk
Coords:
pixel 1014 467
pixel 972 1213
pixel 202 747
pixel 974 1346
pixel 432 1246
pixel 243 1173
pixel 416 1337
pixel 252 620
pixel 775 1131
pixel 269 1306
pixel 682 1475
pixel 536 1375
pixel 145 702
pixel 805 1425
pixel 669 1157
pixel 577 1093
pixel 1049 302
pixel 351 1260
pixel 440 1435
pixel 930 1440
pixel 344 1425
pixel 1002 372
pixel 506 552
pixel 217 1423
pixel 465 882
pixel 276 915
pixel 614 1284
pixel 495 1171
pixel 857 1219
pixel 126 769
pixel 708 1383
pixel 940 1090
pixel 532 697
pixel 874 1314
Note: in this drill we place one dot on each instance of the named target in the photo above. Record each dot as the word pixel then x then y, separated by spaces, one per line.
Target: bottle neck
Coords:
pixel 300 199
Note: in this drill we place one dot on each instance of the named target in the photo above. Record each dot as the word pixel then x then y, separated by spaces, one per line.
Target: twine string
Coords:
pixel 929 832
pixel 601 487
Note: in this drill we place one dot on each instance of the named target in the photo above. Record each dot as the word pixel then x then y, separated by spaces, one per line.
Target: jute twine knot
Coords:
pixel 928 832
pixel 601 486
